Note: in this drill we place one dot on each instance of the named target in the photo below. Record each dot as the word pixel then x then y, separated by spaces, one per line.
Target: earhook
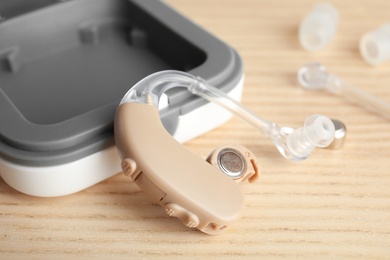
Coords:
pixel 149 90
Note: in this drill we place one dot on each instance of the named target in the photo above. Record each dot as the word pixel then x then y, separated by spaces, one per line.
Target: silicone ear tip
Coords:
pixel 318 27
pixel 320 130
pixel 374 45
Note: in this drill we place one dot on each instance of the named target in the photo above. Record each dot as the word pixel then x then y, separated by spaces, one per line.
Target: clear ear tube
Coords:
pixel 294 144
pixel 314 76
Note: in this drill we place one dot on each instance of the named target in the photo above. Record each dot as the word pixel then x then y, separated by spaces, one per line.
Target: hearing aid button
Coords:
pixel 186 217
pixel 128 166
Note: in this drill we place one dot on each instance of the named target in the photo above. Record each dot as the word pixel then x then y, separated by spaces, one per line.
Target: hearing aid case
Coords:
pixel 65 65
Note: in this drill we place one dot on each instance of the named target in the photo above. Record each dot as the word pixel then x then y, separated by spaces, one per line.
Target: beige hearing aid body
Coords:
pixel 187 187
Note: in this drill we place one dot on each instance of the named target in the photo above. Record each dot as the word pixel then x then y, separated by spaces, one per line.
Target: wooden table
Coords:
pixel 335 204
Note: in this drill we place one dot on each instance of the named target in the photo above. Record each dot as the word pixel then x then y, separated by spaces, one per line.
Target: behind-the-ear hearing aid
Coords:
pixel 185 185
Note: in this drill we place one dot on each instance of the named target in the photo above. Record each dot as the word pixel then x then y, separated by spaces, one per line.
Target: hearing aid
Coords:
pixel 186 186
pixel 339 136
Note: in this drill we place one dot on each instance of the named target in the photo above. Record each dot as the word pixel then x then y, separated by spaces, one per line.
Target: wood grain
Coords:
pixel 336 204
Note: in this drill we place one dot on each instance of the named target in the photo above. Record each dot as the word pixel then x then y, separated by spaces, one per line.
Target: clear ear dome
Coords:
pixel 375 45
pixel 319 130
pixel 318 27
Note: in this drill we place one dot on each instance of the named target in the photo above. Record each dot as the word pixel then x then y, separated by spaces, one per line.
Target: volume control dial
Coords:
pixel 186 217
pixel 128 166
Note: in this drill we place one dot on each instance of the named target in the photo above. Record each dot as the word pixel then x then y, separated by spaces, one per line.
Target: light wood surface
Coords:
pixel 336 204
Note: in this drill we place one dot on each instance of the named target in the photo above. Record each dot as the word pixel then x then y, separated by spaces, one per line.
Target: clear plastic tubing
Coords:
pixel 314 76
pixel 294 144
pixel 375 45
pixel 318 27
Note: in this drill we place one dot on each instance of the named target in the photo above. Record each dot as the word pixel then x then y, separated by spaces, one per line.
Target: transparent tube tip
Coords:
pixel 375 45
pixel 318 27
pixel 313 75
pixel 318 131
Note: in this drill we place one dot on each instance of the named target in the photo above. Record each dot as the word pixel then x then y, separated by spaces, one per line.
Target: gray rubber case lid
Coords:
pixel 64 66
